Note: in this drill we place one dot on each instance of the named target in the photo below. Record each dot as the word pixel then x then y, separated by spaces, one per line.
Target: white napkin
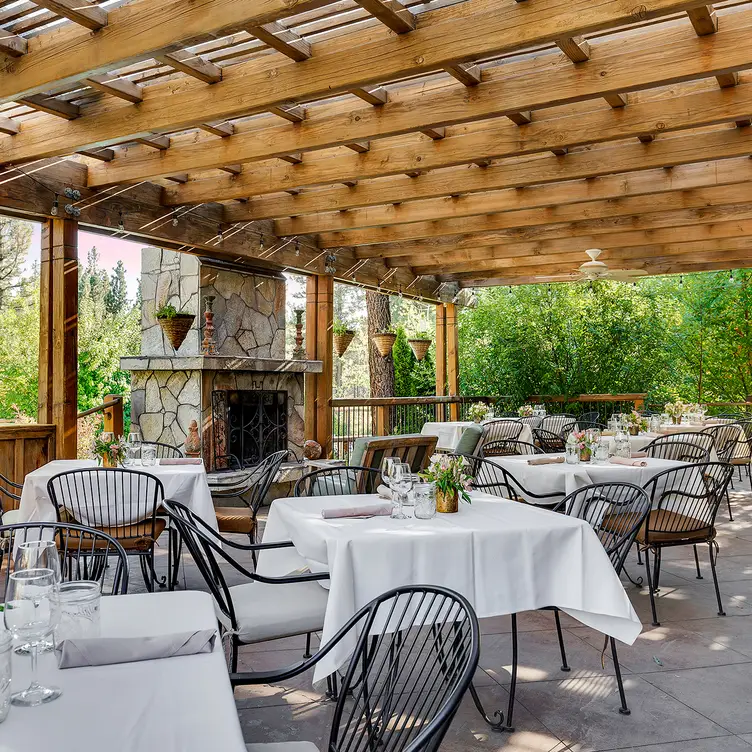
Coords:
pixel 181 461
pixel 382 509
pixel 546 461
pixel 384 492
pixel 103 651
pixel 627 461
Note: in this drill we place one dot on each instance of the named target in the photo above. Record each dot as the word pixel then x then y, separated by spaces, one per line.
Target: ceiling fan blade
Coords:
pixel 623 275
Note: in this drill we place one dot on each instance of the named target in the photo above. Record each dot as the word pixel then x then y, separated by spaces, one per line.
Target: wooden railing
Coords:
pixel 24 447
pixel 112 409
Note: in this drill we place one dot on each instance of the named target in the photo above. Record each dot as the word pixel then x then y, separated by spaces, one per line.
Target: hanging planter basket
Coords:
pixel 384 342
pixel 176 327
pixel 420 347
pixel 342 342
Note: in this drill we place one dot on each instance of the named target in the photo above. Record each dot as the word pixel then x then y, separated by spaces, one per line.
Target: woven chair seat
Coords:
pixel 136 537
pixel 235 520
pixel 665 526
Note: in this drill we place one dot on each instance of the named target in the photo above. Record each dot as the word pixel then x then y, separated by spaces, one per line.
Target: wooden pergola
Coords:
pixel 415 147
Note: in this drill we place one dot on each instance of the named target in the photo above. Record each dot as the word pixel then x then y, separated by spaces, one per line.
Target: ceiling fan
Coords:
pixel 593 269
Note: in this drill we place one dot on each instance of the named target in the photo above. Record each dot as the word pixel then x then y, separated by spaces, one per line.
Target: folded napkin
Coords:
pixel 546 461
pixel 384 492
pixel 627 461
pixel 382 509
pixel 640 455
pixel 103 651
pixel 181 461
pixel 607 433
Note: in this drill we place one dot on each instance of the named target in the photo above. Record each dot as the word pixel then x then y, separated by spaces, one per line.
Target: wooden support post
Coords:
pixel 58 333
pixel 310 345
pixel 381 414
pixel 453 367
pixel 324 352
pixel 113 416
pixel 440 358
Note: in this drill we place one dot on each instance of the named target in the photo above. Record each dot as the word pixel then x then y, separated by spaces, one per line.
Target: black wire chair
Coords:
pixel 164 451
pixel 592 417
pixel 10 495
pixel 85 553
pixel 548 441
pixel 339 481
pixel 498 430
pixel 725 439
pixel 680 451
pixel 531 420
pixel 508 448
pixel 250 612
pixel 416 652
pixel 698 438
pixel 557 423
pixel 120 502
pixel 685 503
pixel 743 456
pixel 589 425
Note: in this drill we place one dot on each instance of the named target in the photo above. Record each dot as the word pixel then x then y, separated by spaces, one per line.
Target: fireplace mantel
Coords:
pixel 219 363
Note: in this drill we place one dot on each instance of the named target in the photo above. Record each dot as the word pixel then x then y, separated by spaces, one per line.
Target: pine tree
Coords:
pixel 15 238
pixel 116 297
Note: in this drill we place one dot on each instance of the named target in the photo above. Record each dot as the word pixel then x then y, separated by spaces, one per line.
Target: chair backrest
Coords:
pixel 616 511
pixel 507 448
pixel 108 498
pixel 592 417
pixel 164 451
pixel 533 421
pixel 469 440
pixel 339 481
pixel 682 451
pixel 589 425
pixel 556 423
pixel 548 441
pixel 698 438
pixel 416 652
pixel 726 439
pixel 260 479
pixel 686 499
pixel 10 494
pixel 498 430
pixel 414 449
pixel 85 553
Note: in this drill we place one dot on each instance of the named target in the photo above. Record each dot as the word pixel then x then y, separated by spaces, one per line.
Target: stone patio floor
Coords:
pixel 688 682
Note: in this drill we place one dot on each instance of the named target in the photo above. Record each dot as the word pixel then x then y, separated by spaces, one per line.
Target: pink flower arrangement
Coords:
pixel 449 474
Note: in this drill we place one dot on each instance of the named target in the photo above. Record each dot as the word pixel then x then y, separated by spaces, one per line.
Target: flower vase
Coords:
pixel 107 461
pixel 675 420
pixel 634 430
pixel 585 455
pixel 447 502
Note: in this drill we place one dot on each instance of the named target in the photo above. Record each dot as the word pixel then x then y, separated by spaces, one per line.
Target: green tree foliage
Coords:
pixel 15 237
pixel 412 377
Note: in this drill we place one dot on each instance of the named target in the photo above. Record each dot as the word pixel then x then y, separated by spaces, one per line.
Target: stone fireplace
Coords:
pixel 246 398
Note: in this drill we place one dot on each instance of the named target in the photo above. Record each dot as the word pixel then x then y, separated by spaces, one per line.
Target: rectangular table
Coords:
pixel 450 432
pixel 505 557
pixel 182 704
pixel 184 483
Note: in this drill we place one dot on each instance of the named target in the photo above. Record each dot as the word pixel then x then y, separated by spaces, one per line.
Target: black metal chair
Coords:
pixel 592 425
pixel 592 417
pixel 507 448
pixel 339 481
pixel 164 451
pixel 556 423
pixel 681 451
pixel 725 439
pixel 685 503
pixel 10 495
pixel 698 438
pixel 120 502
pixel 743 456
pixel 253 611
pixel 403 684
pixel 498 430
pixel 85 553
pixel 549 442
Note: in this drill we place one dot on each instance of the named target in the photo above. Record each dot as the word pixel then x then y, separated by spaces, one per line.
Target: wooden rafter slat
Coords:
pixel 218 129
pixel 576 49
pixel 466 73
pixel 181 178
pixel 293 159
pixel 359 147
pixel 81 12
pixel 8 126
pixel 375 95
pixel 52 106
pixel 292 112
pixel 437 132
pixel 391 13
pixel 192 65
pixel 117 87
pixel 704 20
pixel 12 44
pixel 233 169
pixel 283 40
pixel 103 155
pixel 155 141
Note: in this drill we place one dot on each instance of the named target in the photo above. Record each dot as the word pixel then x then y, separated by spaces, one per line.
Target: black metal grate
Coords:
pixel 248 424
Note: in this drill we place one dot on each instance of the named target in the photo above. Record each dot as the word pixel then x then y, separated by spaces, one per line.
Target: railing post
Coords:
pixel 453 365
pixel 639 403
pixel 381 413
pixel 113 415
pixel 440 359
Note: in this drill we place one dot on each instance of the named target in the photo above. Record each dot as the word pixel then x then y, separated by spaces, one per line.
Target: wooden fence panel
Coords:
pixel 23 448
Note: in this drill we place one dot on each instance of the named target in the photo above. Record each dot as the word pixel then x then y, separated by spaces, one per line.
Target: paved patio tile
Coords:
pixel 714 744
pixel 306 722
pixel 723 693
pixel 731 632
pixel 729 568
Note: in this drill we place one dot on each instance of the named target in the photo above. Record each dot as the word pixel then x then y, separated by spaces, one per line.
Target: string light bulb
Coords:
pixel 174 221
pixel 731 276
pixel 121 224
pixel 261 244
pixel 297 247
pixel 681 280
pixel 220 236
pixel 55 207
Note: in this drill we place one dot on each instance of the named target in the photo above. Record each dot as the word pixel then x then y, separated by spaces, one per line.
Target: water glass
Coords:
pixel 655 423
pixel 425 500
pixel 387 470
pixel 148 455
pixel 572 454
pixel 665 418
pixel 6 643
pixel 78 607
pixel 600 457
pixel 402 482
pixel 623 447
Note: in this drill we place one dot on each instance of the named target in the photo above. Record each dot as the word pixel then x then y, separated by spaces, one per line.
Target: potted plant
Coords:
pixel 675 409
pixel 384 340
pixel 452 481
pixel 342 337
pixel 636 423
pixel 477 412
pixel 175 324
pixel 526 411
pixel 419 343
pixel 108 450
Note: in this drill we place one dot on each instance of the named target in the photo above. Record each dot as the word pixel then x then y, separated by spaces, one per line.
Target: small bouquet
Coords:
pixel 586 441
pixel 675 409
pixel 477 412
pixel 636 422
pixel 526 411
pixel 108 449
pixel 452 481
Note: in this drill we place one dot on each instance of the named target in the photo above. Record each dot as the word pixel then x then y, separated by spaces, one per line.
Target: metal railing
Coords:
pixel 604 404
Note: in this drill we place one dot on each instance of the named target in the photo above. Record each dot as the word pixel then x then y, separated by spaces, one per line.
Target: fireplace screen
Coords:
pixel 249 425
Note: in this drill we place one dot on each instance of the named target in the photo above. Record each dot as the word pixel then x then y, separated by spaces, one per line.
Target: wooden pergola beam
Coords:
pixel 445 36
pixel 11 44
pixel 391 13
pixel 116 87
pixel 283 40
pixel 52 106
pixel 414 108
pixel 192 65
pixel 82 12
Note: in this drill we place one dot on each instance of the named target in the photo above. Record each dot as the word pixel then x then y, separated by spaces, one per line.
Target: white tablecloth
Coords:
pixel 182 704
pixel 564 478
pixel 184 483
pixel 450 432
pixel 505 557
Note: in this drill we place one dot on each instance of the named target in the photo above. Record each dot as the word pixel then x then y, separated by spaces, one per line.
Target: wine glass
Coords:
pixel 132 448
pixel 38 554
pixel 387 470
pixel 402 482
pixel 31 616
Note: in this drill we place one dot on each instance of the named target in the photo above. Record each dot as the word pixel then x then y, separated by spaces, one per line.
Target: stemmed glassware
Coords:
pixel 31 616
pixel 132 449
pixel 402 483
pixel 387 470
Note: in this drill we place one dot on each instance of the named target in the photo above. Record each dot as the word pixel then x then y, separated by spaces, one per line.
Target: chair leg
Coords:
pixel 697 563
pixel 656 623
pixel 562 649
pixel 624 709
pixel 721 612
pixel 307 653
pixel 728 503
pixel 657 561
pixel 234 644
pixel 176 547
pixel 148 581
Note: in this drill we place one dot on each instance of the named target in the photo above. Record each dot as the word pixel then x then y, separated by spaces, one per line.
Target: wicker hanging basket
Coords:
pixel 384 342
pixel 176 327
pixel 420 347
pixel 342 342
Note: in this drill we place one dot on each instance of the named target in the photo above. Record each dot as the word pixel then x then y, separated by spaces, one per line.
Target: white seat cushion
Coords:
pixel 268 612
pixel 12 516
pixel 283 747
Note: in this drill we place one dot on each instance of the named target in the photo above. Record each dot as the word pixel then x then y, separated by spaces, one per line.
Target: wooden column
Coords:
pixel 440 358
pixel 113 416
pixel 310 344
pixel 453 365
pixel 58 333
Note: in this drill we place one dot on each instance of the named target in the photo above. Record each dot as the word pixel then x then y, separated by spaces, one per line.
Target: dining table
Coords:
pixel 176 704
pixel 505 557
pixel 186 483
pixel 450 432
